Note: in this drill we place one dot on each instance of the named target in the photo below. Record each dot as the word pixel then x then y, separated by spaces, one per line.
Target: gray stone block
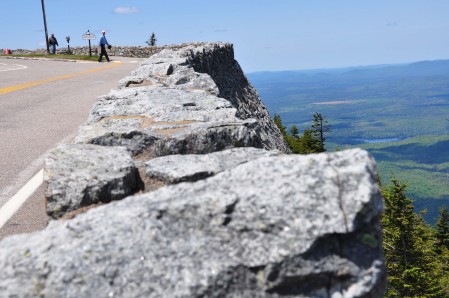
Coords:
pixel 82 175
pixel 173 169
pixel 290 226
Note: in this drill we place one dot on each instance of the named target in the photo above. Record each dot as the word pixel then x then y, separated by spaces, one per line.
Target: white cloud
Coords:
pixel 123 9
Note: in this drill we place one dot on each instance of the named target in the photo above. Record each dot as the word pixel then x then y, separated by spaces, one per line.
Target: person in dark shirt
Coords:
pixel 103 43
pixel 53 42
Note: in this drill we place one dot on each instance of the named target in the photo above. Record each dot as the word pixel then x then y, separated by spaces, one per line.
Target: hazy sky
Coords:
pixel 267 34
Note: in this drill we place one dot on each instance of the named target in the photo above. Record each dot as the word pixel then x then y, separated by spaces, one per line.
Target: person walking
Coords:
pixel 103 43
pixel 53 42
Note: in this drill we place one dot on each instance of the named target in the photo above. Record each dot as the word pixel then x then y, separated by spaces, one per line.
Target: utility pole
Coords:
pixel 45 26
pixel 68 45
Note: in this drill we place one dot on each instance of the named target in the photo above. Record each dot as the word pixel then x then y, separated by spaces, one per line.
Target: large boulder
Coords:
pixel 160 121
pixel 82 175
pixel 290 226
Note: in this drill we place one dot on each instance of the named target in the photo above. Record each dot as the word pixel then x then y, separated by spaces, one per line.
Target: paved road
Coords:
pixel 42 104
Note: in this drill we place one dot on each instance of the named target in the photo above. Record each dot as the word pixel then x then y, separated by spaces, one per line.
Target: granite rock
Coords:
pixel 182 100
pixel 290 226
pixel 173 169
pixel 77 176
pixel 266 224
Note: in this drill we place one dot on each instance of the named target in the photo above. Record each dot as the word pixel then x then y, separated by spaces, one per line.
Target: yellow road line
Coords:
pixel 58 78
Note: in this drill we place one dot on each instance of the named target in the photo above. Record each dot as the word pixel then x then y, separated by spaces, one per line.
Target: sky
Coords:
pixel 268 35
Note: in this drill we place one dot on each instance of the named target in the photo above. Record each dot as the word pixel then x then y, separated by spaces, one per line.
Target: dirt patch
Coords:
pixel 150 183
pixel 72 214
pixel 149 122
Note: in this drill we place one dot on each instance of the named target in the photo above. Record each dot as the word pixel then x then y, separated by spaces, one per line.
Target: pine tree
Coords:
pixel 294 131
pixel 291 141
pixel 442 248
pixel 407 246
pixel 309 143
pixel 319 127
pixel 278 121
pixel 152 40
pixel 442 228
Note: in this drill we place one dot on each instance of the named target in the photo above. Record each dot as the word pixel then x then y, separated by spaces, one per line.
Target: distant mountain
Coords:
pixel 435 67
pixel 384 101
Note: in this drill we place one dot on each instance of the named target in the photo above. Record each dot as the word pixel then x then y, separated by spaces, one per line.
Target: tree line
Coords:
pixel 311 141
pixel 416 253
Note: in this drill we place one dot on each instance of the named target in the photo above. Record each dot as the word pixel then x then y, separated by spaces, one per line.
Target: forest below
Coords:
pixel 399 113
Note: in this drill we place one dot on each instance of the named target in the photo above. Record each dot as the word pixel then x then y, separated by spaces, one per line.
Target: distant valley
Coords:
pixel 397 112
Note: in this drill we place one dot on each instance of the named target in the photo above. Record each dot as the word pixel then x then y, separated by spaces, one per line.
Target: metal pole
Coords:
pixel 45 26
pixel 68 44
pixel 90 50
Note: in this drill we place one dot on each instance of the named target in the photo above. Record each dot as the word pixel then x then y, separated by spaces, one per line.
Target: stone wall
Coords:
pixel 122 51
pixel 192 193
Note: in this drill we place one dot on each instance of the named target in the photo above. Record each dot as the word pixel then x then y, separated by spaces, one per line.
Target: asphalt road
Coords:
pixel 42 104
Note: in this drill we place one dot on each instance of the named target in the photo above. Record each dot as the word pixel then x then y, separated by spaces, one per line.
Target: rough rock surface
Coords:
pixel 160 121
pixel 193 167
pixel 287 226
pixel 82 175
pixel 194 99
pixel 266 225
